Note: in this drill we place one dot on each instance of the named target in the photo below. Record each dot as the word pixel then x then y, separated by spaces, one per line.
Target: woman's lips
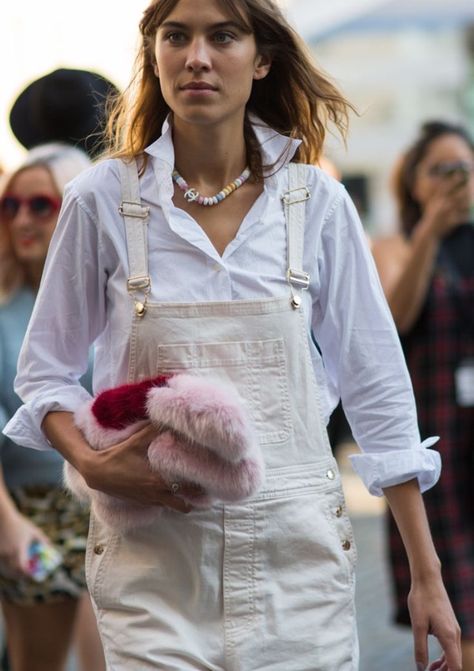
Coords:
pixel 198 89
pixel 198 86
pixel 26 241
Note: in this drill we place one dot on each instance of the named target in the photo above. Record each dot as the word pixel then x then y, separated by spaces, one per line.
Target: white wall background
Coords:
pixel 37 36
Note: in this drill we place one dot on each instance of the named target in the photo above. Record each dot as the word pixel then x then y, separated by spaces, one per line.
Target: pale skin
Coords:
pixel 207 47
pixel 39 637
pixel 405 265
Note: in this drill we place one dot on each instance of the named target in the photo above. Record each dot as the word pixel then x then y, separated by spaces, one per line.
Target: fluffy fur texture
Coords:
pixel 206 438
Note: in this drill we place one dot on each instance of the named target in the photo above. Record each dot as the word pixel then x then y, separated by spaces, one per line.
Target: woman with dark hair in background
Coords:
pixel 206 243
pixel 427 271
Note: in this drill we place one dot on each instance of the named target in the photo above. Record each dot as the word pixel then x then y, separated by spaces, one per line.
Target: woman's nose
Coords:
pixel 22 216
pixel 198 57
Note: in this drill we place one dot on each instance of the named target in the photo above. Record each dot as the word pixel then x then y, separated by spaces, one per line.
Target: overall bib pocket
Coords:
pixel 256 368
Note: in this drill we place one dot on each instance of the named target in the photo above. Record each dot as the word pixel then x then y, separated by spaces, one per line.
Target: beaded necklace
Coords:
pixel 193 195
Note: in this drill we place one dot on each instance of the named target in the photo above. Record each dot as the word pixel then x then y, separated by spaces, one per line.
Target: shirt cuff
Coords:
pixel 385 469
pixel 24 428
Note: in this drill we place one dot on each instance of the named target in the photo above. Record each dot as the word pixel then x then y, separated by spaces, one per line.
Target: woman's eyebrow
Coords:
pixel 222 25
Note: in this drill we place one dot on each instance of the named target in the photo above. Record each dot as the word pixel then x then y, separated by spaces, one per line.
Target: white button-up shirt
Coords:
pixel 83 298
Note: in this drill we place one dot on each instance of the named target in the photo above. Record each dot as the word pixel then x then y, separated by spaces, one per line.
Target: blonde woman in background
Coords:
pixel 41 618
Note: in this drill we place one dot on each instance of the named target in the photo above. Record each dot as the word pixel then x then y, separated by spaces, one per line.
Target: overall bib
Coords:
pixel 266 584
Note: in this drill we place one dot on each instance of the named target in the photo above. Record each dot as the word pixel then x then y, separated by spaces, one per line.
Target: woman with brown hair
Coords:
pixel 427 273
pixel 205 244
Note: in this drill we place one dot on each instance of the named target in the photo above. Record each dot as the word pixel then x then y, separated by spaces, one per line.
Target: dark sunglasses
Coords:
pixel 39 206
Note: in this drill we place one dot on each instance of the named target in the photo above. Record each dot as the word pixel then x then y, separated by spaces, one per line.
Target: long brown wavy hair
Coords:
pixel 295 98
pixel 404 176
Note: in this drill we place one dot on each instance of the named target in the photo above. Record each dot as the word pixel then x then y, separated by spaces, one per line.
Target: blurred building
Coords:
pixel 400 62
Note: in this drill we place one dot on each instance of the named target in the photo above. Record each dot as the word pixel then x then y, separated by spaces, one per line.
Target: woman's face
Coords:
pixel 31 207
pixel 206 63
pixel 449 157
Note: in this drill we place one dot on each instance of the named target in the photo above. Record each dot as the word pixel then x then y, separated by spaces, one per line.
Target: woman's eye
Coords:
pixel 223 38
pixel 176 38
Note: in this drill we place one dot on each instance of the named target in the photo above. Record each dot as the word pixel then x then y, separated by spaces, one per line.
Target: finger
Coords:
pixel 189 489
pixel 140 440
pixel 451 646
pixel 143 437
pixel 175 503
pixel 420 634
pixel 457 186
pixel 42 537
pixel 438 664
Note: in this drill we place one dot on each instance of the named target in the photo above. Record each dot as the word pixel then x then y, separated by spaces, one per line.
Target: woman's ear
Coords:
pixel 155 70
pixel 262 66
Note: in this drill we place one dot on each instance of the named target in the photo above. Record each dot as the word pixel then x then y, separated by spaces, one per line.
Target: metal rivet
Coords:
pixel 139 309
pixel 296 302
pixel 99 549
pixel 331 475
pixel 339 511
pixel 346 545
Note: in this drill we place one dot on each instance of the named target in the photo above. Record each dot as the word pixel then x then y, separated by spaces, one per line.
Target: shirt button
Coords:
pixel 331 475
pixel 217 268
pixel 99 549
pixel 346 545
pixel 339 511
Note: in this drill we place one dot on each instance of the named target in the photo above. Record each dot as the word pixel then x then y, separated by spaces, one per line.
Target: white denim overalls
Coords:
pixel 267 584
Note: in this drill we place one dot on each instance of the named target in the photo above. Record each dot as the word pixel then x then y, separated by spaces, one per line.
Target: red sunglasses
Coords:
pixel 39 206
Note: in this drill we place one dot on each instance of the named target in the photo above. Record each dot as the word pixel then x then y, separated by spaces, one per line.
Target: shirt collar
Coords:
pixel 277 149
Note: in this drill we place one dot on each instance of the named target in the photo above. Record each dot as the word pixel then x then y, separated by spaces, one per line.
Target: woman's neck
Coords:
pixel 209 157
pixel 33 274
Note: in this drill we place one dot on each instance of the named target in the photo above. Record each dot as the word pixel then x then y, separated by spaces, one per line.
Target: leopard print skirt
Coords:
pixel 66 523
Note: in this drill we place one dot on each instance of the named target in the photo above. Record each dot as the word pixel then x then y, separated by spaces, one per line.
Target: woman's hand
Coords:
pixel 431 613
pixel 17 533
pixel 448 207
pixel 124 471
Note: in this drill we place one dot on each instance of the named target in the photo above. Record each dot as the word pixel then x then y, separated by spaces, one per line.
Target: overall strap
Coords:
pixel 135 217
pixel 294 201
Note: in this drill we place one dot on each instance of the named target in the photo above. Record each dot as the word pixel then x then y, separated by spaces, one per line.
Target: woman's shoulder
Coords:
pixel 97 189
pixel 324 190
pixel 103 176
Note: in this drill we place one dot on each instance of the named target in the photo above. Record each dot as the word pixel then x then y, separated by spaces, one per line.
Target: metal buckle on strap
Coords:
pixel 298 277
pixel 137 283
pixel 305 194
pixel 129 208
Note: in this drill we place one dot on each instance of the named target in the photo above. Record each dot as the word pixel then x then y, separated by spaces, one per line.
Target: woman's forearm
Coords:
pixel 65 437
pixel 407 294
pixel 7 507
pixel 408 509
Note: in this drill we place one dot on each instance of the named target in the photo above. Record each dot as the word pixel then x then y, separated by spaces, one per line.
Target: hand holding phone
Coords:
pixel 43 559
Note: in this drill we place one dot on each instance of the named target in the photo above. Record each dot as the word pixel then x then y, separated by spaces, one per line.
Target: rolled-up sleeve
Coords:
pixel 364 360
pixel 69 314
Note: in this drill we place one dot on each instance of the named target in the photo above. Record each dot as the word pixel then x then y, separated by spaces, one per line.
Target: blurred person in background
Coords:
pixel 41 617
pixel 427 272
pixel 65 106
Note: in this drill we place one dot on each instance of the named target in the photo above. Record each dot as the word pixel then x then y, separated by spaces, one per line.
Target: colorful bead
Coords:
pixel 193 196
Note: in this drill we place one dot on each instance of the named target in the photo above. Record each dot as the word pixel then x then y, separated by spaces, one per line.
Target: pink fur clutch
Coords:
pixel 206 438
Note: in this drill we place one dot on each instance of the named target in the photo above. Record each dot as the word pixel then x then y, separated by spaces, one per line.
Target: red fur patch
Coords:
pixel 117 408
